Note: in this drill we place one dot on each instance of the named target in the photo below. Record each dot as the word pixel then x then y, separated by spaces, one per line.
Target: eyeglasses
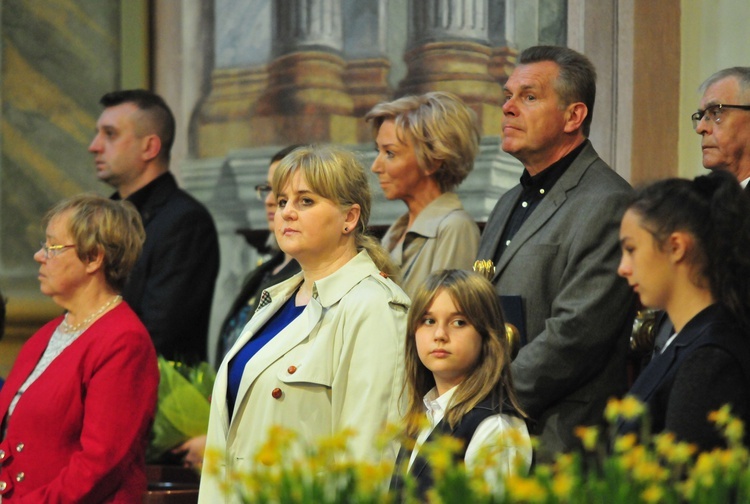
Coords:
pixel 714 113
pixel 262 191
pixel 53 250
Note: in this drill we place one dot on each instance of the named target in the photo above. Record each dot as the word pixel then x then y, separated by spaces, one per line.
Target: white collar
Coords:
pixel 435 406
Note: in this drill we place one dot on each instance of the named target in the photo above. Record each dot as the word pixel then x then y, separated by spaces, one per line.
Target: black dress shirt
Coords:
pixel 534 189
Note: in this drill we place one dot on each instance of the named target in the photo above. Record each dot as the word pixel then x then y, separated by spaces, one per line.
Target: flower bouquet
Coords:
pixel 183 405
pixel 645 469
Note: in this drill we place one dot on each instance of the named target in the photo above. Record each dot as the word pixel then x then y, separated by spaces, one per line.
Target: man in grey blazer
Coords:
pixel 554 242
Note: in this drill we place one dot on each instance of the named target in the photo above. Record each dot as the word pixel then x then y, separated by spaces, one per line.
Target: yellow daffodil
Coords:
pixel 654 493
pixel 525 489
pixel 625 442
pixel 588 436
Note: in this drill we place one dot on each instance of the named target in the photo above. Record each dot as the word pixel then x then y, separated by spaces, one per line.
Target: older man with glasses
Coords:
pixel 723 121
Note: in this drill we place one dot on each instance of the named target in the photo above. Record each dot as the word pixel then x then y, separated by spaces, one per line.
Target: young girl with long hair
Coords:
pixel 685 250
pixel 458 375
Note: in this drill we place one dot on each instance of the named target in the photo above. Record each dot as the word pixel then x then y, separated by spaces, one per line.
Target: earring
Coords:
pixel 346 229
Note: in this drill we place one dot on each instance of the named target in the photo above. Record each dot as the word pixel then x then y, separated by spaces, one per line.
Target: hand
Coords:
pixel 192 451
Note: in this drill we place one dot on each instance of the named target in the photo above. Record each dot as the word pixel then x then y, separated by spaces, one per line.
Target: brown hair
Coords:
pixel 100 224
pixel 475 297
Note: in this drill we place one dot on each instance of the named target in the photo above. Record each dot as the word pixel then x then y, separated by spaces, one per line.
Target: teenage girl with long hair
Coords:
pixel 685 250
pixel 458 376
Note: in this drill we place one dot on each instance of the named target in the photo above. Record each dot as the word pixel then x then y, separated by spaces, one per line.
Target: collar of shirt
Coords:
pixel 435 410
pixel 329 290
pixel 429 219
pixel 425 224
pixel 540 184
pixel 435 406
pixel 140 197
pixel 669 341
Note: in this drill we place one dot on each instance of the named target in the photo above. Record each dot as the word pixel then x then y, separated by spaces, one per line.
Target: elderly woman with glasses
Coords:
pixel 426 147
pixel 78 403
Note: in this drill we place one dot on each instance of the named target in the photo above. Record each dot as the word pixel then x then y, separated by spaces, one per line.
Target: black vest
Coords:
pixel 464 431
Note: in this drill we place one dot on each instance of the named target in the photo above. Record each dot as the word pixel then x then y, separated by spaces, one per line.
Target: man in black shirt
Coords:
pixel 554 240
pixel 172 284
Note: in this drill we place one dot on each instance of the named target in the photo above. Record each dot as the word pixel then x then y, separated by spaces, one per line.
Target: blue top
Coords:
pixel 274 326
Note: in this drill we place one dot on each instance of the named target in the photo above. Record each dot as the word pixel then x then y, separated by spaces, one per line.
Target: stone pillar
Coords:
pixel 368 67
pixel 306 99
pixel 502 35
pixel 450 51
pixel 224 118
pixel 240 52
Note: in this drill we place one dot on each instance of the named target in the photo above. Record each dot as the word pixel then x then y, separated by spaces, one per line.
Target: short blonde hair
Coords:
pixel 441 128
pixel 337 175
pixel 100 224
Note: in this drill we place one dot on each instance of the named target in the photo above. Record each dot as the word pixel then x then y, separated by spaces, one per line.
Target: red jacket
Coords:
pixel 78 434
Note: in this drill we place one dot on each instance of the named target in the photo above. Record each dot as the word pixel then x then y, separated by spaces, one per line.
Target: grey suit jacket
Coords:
pixel 563 263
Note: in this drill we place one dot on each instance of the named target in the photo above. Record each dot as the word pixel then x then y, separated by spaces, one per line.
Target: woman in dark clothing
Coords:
pixel 684 250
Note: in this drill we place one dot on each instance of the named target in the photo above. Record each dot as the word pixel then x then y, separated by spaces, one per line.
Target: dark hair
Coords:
pixel 160 117
pixel 716 212
pixel 283 152
pixel 577 79
pixel 477 300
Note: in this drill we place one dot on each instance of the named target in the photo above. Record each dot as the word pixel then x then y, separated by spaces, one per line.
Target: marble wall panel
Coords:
pixel 58 58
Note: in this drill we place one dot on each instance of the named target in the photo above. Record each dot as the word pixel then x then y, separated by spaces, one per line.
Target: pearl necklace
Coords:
pixel 67 328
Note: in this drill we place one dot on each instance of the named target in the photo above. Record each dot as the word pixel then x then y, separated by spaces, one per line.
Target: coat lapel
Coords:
pixel 498 220
pixel 652 377
pixel 269 353
pixel 546 209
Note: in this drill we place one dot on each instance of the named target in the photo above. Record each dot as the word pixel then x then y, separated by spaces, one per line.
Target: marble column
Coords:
pixel 502 36
pixel 449 50
pixel 241 50
pixel 367 67
pixel 306 99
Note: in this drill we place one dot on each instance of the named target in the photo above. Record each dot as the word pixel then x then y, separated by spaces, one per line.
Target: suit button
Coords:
pixel 20 476
pixel 19 447
pixel 276 393
pixel 291 369
pixel 3 486
pixel 2 454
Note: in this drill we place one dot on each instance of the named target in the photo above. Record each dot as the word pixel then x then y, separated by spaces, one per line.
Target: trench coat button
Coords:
pixel 19 447
pixel 3 486
pixel 291 369
pixel 276 393
pixel 20 476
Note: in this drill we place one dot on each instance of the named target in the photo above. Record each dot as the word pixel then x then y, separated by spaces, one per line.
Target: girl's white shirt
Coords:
pixel 492 432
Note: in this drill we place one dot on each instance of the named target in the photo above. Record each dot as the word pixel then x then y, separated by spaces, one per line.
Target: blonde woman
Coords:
pixel 323 352
pixel 426 147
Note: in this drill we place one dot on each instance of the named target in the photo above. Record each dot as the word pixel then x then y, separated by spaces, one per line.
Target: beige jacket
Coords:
pixel 442 236
pixel 339 364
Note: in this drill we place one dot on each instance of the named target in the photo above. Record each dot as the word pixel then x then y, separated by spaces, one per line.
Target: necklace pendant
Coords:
pixel 68 328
